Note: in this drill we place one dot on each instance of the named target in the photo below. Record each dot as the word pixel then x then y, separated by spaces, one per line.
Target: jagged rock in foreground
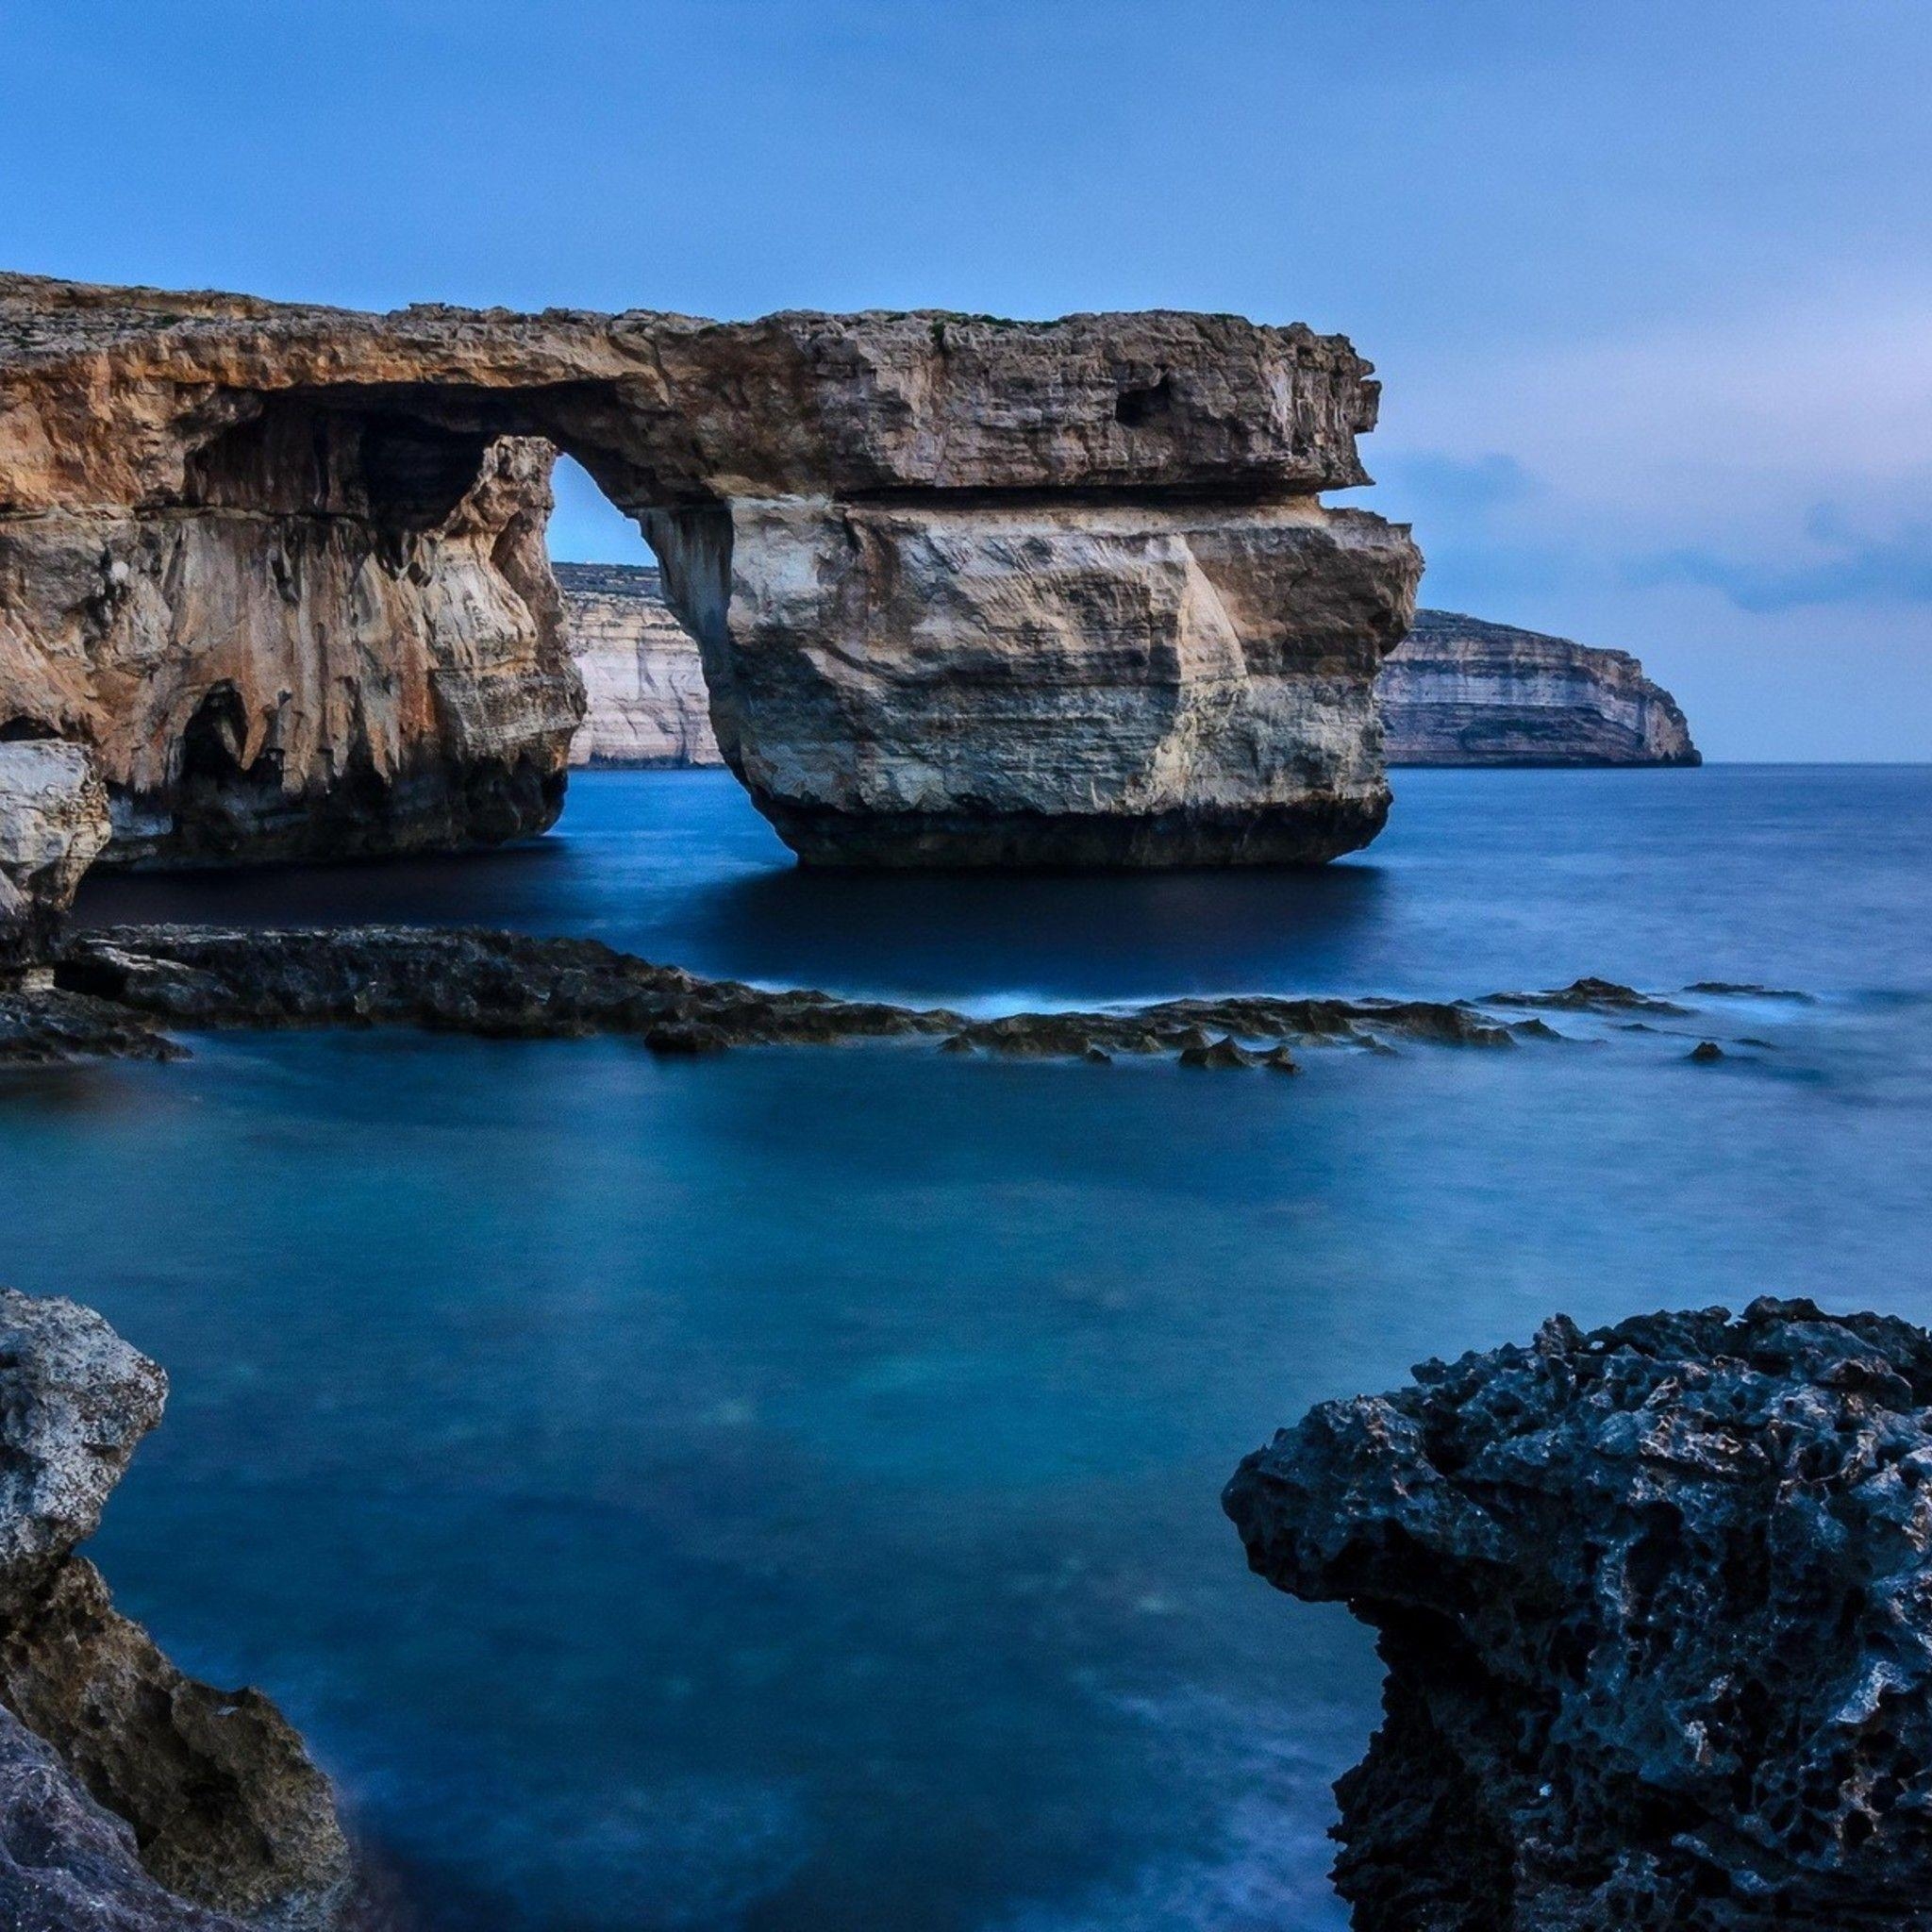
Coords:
pixel 508 984
pixel 131 1797
pixel 53 826
pixel 1459 690
pixel 1656 1608
pixel 967 591
pixel 644 699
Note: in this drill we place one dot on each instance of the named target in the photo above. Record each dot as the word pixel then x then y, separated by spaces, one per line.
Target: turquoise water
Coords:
pixel 780 1492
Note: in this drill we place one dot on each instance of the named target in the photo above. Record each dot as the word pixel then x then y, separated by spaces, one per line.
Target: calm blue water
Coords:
pixel 780 1492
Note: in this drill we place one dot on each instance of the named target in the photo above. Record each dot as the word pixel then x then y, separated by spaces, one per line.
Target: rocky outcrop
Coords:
pixel 1655 1604
pixel 288 651
pixel 53 826
pixel 130 1796
pixel 508 984
pixel 966 591
pixel 644 697
pixel 1460 691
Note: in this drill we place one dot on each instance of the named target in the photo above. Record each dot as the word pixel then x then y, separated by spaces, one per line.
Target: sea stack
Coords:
pixel 967 591
pixel 1655 1604
pixel 1459 690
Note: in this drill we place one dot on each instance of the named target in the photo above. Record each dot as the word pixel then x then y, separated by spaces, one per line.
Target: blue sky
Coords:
pixel 1649 285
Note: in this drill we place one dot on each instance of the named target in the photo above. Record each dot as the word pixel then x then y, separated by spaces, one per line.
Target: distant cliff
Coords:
pixel 1460 692
pixel 1457 692
pixel 644 686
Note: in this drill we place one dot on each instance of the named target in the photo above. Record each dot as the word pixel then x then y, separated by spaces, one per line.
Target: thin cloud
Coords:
pixel 1895 569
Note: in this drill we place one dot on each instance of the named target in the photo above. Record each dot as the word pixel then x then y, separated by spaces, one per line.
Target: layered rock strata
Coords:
pixel 644 699
pixel 966 591
pixel 1655 1604
pixel 1460 691
pixel 131 1797
pixel 53 826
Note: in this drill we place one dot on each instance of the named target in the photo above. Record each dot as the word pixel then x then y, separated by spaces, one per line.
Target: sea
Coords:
pixel 780 1491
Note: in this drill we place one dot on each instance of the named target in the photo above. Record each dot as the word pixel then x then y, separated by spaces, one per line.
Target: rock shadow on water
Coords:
pixel 1059 936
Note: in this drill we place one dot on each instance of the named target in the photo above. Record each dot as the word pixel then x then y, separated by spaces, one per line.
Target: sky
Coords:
pixel 1649 285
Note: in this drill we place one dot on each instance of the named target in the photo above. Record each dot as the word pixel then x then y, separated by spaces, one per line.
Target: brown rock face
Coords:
pixel 967 591
pixel 1460 691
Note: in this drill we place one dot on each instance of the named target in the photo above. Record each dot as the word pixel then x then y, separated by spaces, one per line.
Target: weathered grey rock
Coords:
pixel 1460 691
pixel 53 826
pixel 644 697
pixel 67 1862
pixel 213 1787
pixel 967 591
pixel 74 1399
pixel 1656 1608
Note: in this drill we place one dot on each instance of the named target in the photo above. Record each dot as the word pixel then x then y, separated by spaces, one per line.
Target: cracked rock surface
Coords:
pixel 1655 1604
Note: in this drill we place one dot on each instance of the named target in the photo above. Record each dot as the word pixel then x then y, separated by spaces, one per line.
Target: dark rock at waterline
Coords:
pixel 508 984
pixel 130 1795
pixel 1704 1052
pixel 1749 989
pixel 1588 996
pixel 1655 1604
pixel 1222 1053
pixel 41 1025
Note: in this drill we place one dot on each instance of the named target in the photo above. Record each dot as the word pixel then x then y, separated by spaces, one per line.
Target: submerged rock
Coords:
pixel 133 1795
pixel 1655 1605
pixel 1590 995
pixel 967 591
pixel 1459 690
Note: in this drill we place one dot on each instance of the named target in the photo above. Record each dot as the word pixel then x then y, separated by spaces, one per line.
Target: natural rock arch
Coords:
pixel 967 591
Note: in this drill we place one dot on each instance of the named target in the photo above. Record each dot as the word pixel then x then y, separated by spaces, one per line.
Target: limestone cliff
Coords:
pixel 644 699
pixel 53 826
pixel 131 1797
pixel 966 591
pixel 1460 691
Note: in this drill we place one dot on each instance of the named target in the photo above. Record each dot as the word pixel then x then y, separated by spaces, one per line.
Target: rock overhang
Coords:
pixel 689 409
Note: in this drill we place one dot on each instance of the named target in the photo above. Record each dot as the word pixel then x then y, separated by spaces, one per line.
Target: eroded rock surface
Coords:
pixel 133 1796
pixel 967 591
pixel 1655 1604
pixel 1459 690
pixel 53 826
